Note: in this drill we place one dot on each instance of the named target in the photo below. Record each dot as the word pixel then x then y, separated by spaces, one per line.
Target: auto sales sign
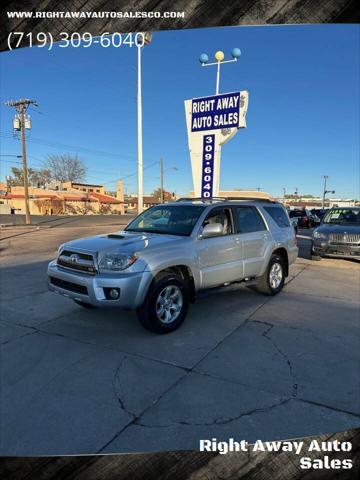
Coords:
pixel 217 112
pixel 211 122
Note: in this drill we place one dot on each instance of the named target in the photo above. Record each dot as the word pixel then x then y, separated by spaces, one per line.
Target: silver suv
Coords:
pixel 159 262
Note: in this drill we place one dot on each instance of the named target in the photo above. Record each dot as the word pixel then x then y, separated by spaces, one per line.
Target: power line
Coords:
pixel 11 161
pixel 92 151
pixel 73 147
pixel 101 173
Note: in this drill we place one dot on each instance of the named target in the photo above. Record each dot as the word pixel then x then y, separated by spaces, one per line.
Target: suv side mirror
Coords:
pixel 212 230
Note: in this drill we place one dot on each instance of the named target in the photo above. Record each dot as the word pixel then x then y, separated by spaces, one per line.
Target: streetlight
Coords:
pixel 219 57
pixel 162 178
pixel 147 36
pixel 326 191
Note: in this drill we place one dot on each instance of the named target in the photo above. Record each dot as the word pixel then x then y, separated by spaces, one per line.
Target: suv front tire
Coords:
pixel 166 304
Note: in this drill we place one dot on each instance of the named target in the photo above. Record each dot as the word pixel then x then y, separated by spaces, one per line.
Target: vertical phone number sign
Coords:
pixel 207 174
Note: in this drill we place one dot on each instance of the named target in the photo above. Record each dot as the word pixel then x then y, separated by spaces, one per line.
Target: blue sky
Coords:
pixel 303 116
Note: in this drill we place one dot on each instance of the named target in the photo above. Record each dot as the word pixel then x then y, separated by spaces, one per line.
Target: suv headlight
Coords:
pixel 115 261
pixel 319 235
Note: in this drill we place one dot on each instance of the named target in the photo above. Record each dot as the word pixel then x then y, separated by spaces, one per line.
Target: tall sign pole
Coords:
pixel 21 106
pixel 211 122
pixel 146 40
pixel 140 148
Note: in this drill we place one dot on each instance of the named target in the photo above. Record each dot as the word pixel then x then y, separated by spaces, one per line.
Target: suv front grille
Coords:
pixel 82 262
pixel 344 238
pixel 73 287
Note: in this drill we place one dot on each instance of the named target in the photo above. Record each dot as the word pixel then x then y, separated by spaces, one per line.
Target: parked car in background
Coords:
pixel 305 219
pixel 294 223
pixel 338 234
pixel 319 212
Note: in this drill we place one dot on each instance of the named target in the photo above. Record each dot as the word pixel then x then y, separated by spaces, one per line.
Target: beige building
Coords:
pixel 84 187
pixel 148 201
pixel 295 201
pixel 71 200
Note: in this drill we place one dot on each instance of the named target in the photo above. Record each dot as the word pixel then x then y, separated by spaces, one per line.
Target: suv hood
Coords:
pixel 122 242
pixel 336 228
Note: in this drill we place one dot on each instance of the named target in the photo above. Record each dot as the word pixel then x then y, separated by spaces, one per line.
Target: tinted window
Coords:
pixel 296 213
pixel 249 220
pixel 278 215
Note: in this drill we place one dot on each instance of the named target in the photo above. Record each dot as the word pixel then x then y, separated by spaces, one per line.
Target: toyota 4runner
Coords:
pixel 159 262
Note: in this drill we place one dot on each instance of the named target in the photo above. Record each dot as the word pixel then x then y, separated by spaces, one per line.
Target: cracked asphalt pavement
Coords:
pixel 242 365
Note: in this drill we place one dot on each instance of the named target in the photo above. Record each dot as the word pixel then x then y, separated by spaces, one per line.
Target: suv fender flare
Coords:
pixel 278 249
pixel 183 269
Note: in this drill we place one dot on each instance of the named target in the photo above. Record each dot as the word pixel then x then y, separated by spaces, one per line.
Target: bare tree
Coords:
pixel 35 177
pixel 65 168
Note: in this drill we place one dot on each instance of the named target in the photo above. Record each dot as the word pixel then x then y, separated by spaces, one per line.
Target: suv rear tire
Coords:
pixel 166 304
pixel 273 279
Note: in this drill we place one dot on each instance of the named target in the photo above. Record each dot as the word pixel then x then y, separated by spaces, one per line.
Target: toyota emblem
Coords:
pixel 74 258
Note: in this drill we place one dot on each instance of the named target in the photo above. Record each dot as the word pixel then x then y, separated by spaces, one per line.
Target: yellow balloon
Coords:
pixel 219 56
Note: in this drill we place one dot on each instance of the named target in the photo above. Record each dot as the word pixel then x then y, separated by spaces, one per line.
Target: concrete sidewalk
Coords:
pixel 242 365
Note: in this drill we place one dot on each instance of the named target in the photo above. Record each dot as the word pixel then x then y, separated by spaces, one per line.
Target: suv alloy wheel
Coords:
pixel 273 279
pixel 166 304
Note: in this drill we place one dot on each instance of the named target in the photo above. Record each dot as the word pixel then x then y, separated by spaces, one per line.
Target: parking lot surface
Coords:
pixel 242 365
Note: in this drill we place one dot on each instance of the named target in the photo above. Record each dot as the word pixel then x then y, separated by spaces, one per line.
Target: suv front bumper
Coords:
pixel 90 288
pixel 324 248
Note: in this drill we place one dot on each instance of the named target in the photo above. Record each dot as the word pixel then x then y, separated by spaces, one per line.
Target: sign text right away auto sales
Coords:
pixel 217 112
pixel 297 447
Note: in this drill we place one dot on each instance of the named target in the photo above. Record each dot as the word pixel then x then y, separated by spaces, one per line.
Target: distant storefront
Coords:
pixel 70 200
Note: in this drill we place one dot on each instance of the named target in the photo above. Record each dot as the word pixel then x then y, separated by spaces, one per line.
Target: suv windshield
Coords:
pixel 167 219
pixel 343 215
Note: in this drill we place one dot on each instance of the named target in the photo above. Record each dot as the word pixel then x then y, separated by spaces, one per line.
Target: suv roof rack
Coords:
pixel 199 199
pixel 224 199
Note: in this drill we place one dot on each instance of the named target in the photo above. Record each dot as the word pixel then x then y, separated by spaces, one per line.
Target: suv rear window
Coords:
pixel 249 220
pixel 278 215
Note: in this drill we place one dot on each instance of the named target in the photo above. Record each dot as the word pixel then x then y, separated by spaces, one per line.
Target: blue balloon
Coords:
pixel 235 52
pixel 203 58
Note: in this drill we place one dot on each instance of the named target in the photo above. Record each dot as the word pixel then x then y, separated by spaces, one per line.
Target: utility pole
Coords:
pixel 21 106
pixel 324 191
pixel 161 180
pixel 162 171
